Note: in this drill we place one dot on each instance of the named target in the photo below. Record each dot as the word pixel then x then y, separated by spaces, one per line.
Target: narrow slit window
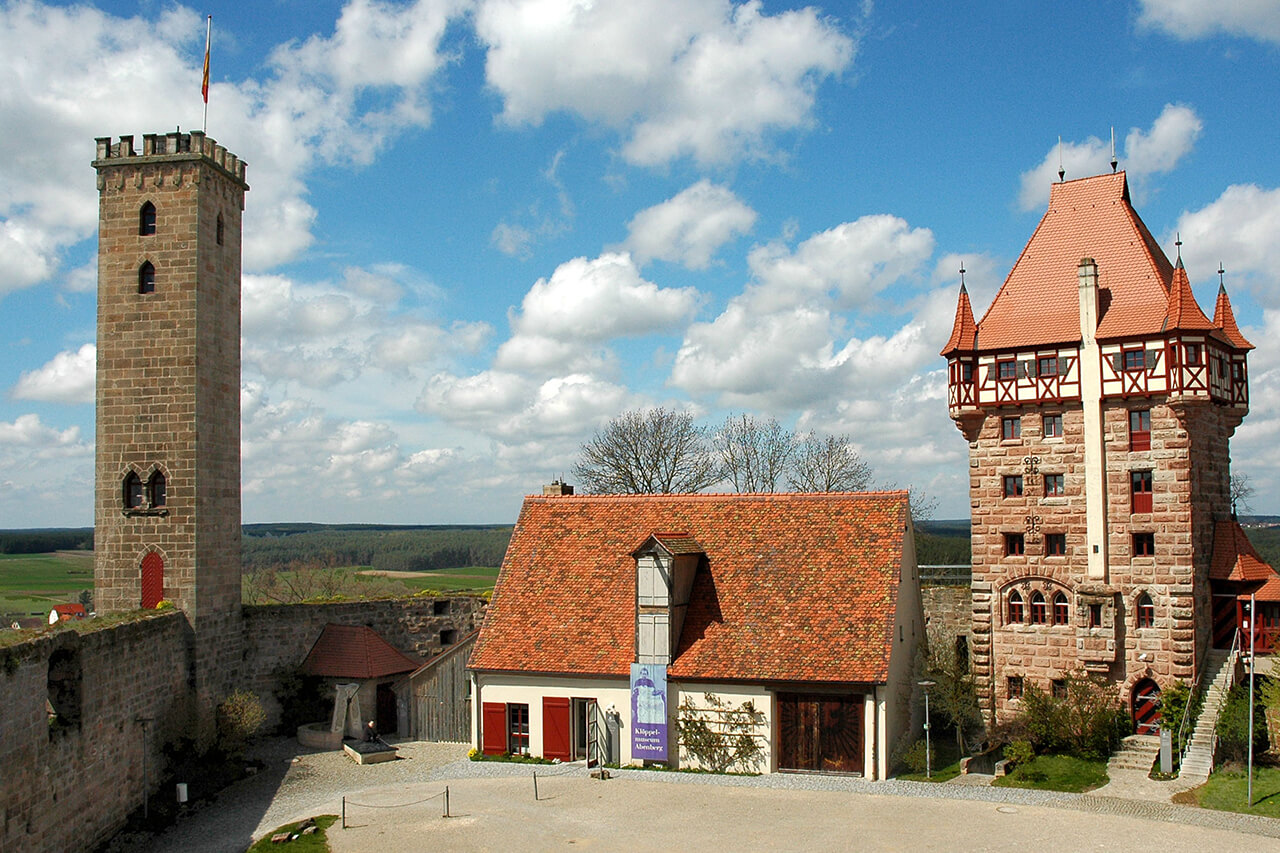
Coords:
pixel 146 278
pixel 147 220
pixel 219 229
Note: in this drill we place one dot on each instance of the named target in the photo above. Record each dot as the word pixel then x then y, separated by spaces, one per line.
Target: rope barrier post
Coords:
pixel 535 786
pixel 446 800
pixel 344 812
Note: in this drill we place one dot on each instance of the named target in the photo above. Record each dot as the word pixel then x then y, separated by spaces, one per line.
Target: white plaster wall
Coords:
pixel 732 697
pixel 530 690
pixel 894 718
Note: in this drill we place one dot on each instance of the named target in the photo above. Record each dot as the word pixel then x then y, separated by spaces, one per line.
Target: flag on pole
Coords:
pixel 208 33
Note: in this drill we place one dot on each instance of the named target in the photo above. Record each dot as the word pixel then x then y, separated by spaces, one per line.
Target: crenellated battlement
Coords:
pixel 175 144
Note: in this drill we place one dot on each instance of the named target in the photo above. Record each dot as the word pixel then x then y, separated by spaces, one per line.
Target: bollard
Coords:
pixel 446 800
pixel 535 786
pixel 344 812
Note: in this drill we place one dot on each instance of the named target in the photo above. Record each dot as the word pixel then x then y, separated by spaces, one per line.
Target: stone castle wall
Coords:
pixel 1185 501
pixel 70 785
pixel 278 637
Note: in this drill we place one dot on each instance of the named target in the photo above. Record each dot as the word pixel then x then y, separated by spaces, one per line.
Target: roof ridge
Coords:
pixel 659 496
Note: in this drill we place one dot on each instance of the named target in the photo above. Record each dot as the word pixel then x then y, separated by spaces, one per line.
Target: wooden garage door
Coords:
pixel 820 732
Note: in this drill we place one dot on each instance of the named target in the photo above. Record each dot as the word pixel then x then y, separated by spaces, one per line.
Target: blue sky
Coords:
pixel 478 229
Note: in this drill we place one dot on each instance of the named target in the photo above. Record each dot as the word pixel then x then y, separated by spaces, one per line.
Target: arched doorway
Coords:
pixel 1146 707
pixel 152 580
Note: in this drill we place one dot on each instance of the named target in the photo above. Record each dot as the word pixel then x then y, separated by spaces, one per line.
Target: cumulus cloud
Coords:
pixel 28 431
pixel 1240 228
pixel 661 71
pixel 586 302
pixel 329 99
pixel 1146 152
pixel 689 227
pixel 66 378
pixel 1191 19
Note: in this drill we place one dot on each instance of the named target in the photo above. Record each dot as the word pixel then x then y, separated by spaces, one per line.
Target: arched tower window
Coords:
pixel 152 580
pixel 219 229
pixel 1015 608
pixel 1039 609
pixel 1061 610
pixel 156 490
pixel 1146 612
pixel 146 278
pixel 147 219
pixel 132 491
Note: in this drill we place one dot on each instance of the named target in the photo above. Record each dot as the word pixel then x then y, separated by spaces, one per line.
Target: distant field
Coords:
pixel 468 577
pixel 30 584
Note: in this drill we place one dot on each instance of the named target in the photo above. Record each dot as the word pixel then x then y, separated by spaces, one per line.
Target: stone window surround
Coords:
pixel 145 477
pixel 1143 598
pixel 1025 588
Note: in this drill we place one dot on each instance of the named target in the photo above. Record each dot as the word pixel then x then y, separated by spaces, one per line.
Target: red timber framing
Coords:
pixel 494 725
pixel 1041 376
pixel 556 728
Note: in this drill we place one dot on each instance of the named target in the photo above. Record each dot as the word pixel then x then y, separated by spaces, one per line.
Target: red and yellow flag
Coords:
pixel 204 86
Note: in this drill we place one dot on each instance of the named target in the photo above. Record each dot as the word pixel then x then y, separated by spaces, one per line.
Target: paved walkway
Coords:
pixel 494 809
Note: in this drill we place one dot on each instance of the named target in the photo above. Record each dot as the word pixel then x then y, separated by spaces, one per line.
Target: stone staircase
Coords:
pixel 1137 752
pixel 1197 760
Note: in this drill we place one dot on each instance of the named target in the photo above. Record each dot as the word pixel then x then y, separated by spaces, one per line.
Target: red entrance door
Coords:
pixel 152 580
pixel 1146 707
pixel 555 728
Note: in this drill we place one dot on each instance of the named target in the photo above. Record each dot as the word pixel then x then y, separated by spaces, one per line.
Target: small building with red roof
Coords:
pixel 797 614
pixel 358 655
pixel 1098 401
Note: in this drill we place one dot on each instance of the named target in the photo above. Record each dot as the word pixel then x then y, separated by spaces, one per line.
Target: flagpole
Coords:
pixel 204 85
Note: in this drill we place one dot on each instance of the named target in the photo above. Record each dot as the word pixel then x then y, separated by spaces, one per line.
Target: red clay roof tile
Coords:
pixel 1225 319
pixel 1234 557
pixel 798 587
pixel 1182 311
pixel 964 331
pixel 1039 303
pixel 355 651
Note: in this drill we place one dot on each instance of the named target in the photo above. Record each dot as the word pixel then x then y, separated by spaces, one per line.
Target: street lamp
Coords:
pixel 928 746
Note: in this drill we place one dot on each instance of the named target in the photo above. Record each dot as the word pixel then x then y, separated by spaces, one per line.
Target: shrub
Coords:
pixel 1177 703
pixel 1233 725
pixel 239 717
pixel 1087 723
pixel 914 757
pixel 1020 752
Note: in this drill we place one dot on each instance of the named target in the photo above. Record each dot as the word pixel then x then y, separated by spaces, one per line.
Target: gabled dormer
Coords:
pixel 665 567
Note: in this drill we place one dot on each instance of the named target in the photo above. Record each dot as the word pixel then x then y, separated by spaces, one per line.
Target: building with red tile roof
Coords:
pixel 802 604
pixel 1098 400
pixel 358 655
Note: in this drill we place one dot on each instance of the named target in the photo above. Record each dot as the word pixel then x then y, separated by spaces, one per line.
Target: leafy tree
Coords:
pixel 754 454
pixel 654 451
pixel 829 463
pixel 953 697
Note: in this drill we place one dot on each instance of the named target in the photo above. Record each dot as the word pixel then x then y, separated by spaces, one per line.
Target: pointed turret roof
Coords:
pixel 1182 311
pixel 1225 319
pixel 964 332
pixel 1039 303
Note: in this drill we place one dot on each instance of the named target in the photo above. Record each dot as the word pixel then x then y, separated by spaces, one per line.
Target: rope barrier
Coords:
pixel 444 793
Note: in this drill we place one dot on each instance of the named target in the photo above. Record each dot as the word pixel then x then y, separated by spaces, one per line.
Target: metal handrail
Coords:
pixel 1232 654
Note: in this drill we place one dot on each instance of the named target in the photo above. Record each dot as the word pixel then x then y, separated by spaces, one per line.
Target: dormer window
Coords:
pixel 653 581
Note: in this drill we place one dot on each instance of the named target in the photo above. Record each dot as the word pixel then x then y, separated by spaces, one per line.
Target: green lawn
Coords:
pixel 1057 773
pixel 470 577
pixel 30 584
pixel 314 843
pixel 1227 791
pixel 946 762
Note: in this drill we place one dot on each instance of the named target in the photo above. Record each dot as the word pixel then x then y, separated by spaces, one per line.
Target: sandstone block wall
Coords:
pixel 70 786
pixel 279 636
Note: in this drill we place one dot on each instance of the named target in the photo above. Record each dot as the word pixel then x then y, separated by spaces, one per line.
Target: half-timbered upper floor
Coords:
pixel 1152 337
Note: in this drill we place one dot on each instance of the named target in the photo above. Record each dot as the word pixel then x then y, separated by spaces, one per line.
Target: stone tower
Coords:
pixel 1098 401
pixel 167 506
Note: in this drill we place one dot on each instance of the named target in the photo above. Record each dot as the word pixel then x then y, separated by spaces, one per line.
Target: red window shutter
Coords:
pixel 555 728
pixel 493 724
pixel 152 580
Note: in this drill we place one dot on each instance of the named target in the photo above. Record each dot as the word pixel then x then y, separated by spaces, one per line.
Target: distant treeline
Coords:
pixel 44 541
pixel 943 543
pixel 382 547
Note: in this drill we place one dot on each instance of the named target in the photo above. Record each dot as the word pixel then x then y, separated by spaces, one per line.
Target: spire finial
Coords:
pixel 1221 284
pixel 1062 173
pixel 1114 161
pixel 1178 242
pixel 962 273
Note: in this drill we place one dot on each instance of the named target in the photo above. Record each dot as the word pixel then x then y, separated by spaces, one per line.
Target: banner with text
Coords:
pixel 649 711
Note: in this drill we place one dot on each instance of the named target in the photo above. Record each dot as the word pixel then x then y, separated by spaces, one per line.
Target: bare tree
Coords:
pixel 828 463
pixel 654 451
pixel 754 454
pixel 1241 490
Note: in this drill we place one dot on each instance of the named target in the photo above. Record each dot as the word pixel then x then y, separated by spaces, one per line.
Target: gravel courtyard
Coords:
pixel 398 806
